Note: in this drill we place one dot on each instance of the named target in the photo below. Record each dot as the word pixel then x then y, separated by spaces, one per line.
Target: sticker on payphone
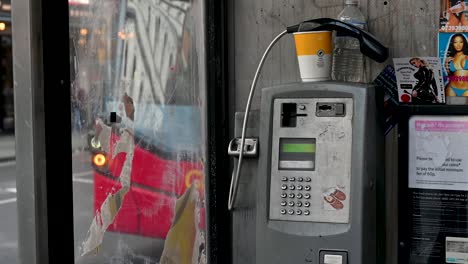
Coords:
pixel 333 198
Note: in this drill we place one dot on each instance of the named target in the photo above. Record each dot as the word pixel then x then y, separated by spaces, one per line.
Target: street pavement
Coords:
pixel 82 185
pixel 8 224
pixel 116 249
pixel 7 147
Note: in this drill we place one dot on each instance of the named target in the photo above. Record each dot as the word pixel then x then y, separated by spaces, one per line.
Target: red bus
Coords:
pixel 166 161
pixel 157 68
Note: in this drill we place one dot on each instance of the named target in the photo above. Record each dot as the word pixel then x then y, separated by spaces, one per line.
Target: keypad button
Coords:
pixel 300 179
pixel 291 195
pixel 298 212
pixel 291 204
pixel 291 211
pixel 283 195
pixel 306 212
pixel 291 187
pixel 283 211
pixel 292 179
pixel 307 196
pixel 283 203
pixel 308 179
pixel 299 187
pixel 284 187
pixel 299 196
pixel 299 204
pixel 307 188
pixel 284 178
pixel 306 204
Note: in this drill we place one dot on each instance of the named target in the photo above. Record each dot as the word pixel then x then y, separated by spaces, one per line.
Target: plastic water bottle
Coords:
pixel 348 61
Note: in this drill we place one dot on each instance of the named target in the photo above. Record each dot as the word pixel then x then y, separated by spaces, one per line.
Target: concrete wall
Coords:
pixel 407 27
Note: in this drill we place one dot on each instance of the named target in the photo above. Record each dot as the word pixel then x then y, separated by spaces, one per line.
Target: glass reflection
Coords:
pixel 137 106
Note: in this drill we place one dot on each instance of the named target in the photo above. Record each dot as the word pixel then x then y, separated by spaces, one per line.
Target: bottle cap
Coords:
pixel 351 2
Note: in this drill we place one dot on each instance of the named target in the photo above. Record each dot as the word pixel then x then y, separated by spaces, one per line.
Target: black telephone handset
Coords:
pixel 369 45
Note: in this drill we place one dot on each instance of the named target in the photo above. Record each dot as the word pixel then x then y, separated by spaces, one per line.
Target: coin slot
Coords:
pixel 328 109
pixel 325 107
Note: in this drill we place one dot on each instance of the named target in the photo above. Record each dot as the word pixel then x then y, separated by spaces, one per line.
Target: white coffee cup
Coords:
pixel 314 55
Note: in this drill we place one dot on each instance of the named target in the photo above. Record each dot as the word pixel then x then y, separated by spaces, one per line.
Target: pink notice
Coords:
pixel 441 126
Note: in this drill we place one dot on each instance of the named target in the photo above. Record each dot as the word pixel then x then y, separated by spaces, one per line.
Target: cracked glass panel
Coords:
pixel 138 118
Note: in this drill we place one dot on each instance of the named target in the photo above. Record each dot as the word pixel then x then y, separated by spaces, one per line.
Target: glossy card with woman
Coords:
pixel 453 16
pixel 453 53
pixel 419 80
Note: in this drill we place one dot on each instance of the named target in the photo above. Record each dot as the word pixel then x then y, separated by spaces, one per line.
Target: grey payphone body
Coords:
pixel 316 200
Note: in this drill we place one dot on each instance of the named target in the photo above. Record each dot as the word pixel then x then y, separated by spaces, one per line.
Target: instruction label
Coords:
pixel 456 250
pixel 438 153
pixel 437 197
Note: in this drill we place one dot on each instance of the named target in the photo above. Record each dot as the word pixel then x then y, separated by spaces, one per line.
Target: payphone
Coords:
pixel 317 174
pixel 318 165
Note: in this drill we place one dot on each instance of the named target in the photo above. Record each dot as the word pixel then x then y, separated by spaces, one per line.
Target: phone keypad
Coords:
pixel 295 195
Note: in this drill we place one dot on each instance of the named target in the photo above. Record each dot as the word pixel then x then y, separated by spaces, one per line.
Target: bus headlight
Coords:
pixel 95 143
pixel 99 159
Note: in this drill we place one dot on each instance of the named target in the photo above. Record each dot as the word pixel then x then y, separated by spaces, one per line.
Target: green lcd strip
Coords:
pixel 298 148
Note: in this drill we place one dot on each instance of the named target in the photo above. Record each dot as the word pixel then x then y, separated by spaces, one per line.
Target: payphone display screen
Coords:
pixel 297 154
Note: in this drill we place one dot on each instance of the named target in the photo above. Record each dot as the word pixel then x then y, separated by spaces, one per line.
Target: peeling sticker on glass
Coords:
pixel 113 202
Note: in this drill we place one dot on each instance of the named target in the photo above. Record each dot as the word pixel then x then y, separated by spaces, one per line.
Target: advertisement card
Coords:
pixel 386 80
pixel 453 52
pixel 453 16
pixel 419 80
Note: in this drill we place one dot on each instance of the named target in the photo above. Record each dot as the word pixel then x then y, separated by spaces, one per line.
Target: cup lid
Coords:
pixel 311 32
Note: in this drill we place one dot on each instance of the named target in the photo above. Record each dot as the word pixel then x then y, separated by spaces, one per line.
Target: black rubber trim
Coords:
pixel 219 236
pixel 57 116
